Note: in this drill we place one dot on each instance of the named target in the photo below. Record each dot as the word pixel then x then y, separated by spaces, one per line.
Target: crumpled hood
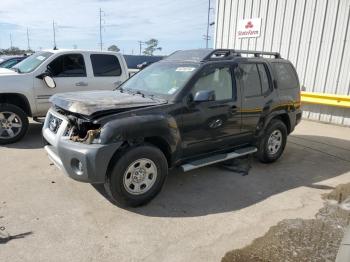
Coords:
pixel 90 102
pixel 5 71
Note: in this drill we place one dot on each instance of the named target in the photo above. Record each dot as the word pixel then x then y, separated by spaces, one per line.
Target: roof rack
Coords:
pixel 231 53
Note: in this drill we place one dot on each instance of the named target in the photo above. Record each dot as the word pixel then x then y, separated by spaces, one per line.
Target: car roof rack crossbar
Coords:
pixel 225 54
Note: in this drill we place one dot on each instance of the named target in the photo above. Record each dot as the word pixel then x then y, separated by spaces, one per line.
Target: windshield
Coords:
pixel 163 79
pixel 9 63
pixel 32 62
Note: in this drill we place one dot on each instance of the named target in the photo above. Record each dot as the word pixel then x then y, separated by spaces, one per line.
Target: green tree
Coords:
pixel 152 46
pixel 113 48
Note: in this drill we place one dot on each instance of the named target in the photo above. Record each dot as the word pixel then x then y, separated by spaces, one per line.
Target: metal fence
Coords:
pixel 313 34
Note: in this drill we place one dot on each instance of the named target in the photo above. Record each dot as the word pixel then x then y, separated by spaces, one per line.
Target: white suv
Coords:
pixel 26 88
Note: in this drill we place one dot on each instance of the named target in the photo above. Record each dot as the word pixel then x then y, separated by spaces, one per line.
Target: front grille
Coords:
pixel 54 123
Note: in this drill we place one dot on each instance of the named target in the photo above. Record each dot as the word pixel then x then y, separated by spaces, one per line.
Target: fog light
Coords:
pixel 77 166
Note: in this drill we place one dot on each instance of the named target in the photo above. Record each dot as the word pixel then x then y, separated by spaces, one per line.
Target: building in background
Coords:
pixel 313 34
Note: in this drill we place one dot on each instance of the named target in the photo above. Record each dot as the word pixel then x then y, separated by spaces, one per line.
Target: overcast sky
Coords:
pixel 177 24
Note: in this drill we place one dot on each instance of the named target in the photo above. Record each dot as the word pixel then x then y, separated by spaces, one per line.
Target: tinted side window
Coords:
pixel 264 79
pixel 249 79
pixel 285 75
pixel 106 65
pixel 71 65
pixel 217 79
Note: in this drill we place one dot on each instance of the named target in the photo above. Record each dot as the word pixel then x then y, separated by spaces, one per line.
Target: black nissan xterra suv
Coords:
pixel 192 109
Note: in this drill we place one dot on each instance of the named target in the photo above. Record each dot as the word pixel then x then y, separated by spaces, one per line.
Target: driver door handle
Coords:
pixel 81 83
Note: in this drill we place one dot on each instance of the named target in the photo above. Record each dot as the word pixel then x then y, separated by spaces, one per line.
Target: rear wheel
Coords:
pixel 13 124
pixel 137 176
pixel 272 144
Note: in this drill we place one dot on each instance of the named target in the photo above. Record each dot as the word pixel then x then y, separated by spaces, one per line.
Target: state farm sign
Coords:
pixel 248 28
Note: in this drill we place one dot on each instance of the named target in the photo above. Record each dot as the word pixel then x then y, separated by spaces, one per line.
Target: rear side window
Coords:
pixel 248 77
pixel 71 65
pixel 264 79
pixel 105 65
pixel 285 76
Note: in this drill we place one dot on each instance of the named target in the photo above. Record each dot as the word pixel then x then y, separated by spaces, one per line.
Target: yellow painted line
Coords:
pixel 325 99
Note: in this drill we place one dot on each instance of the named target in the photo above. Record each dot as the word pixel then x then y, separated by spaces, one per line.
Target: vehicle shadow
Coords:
pixel 213 190
pixel 32 140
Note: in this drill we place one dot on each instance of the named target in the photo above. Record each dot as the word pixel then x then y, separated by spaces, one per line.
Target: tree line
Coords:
pixel 151 47
pixel 14 51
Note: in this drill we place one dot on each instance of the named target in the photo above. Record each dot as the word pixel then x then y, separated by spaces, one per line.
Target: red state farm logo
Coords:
pixel 249 25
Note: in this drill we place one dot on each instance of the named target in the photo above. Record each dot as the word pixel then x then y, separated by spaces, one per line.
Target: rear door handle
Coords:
pixel 234 109
pixel 81 84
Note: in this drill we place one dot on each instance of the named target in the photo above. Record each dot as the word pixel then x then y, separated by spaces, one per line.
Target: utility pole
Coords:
pixel 207 36
pixel 101 43
pixel 11 41
pixel 54 35
pixel 28 39
pixel 141 43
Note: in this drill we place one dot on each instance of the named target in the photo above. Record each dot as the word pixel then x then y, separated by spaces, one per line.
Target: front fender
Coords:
pixel 135 128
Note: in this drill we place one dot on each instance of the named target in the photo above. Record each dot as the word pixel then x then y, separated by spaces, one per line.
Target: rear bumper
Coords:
pixel 295 118
pixel 81 162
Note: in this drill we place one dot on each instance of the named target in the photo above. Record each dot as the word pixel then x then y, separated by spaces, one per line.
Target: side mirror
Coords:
pixel 49 81
pixel 204 96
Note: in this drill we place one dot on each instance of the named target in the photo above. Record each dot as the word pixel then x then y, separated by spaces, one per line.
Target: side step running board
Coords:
pixel 218 158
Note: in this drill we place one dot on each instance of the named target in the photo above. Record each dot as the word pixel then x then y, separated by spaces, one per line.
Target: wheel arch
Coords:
pixel 285 119
pixel 282 116
pixel 162 144
pixel 18 100
pixel 156 141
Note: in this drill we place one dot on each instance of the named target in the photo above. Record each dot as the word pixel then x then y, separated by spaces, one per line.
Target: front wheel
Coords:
pixel 137 176
pixel 13 124
pixel 272 144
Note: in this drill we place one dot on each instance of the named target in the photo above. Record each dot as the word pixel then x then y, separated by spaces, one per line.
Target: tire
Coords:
pixel 137 176
pixel 269 149
pixel 13 124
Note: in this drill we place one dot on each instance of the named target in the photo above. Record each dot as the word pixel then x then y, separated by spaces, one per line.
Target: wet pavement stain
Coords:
pixel 299 240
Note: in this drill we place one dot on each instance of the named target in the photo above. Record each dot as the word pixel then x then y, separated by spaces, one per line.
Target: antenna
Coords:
pixel 54 35
pixel 28 39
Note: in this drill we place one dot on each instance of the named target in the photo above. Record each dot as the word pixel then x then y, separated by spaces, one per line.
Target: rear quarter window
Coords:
pixel 105 65
pixel 285 76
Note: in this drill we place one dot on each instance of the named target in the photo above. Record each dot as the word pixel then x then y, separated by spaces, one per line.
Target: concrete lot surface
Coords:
pixel 198 216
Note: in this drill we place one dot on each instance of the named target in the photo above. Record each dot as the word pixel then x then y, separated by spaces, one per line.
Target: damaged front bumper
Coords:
pixel 80 161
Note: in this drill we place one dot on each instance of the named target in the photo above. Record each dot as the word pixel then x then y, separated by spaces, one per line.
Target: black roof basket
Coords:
pixel 218 54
